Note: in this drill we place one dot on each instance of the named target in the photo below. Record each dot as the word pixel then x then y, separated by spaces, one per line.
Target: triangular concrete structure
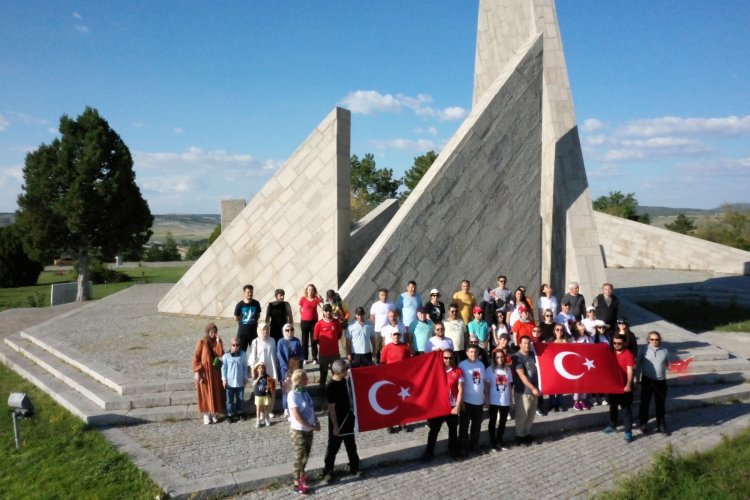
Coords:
pixel 570 249
pixel 294 231
pixel 449 228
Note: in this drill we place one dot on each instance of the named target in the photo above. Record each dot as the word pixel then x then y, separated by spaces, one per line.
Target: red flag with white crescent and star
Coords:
pixel 583 368
pixel 411 390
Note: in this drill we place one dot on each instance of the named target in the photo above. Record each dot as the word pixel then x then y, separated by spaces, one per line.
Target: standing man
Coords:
pixel 455 394
pixel 395 351
pixel 394 324
pixel 472 410
pixel 576 300
pixel 651 369
pixel 435 309
pixel 408 303
pixel 626 363
pixel 526 391
pixel 360 340
pixel 327 333
pixel 278 314
pixel 421 330
pixel 340 421
pixel 607 306
pixel 379 318
pixel 247 312
pixel 455 329
pixel 439 342
pixel 465 301
pixel 502 294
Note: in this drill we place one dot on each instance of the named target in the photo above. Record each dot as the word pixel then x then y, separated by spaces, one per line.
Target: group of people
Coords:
pixel 487 346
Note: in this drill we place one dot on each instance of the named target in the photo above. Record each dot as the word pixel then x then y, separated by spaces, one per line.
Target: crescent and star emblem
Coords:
pixel 372 395
pixel 560 357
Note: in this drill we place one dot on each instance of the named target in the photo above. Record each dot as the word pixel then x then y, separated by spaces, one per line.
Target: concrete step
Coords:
pixel 684 350
pixel 713 377
pixel 728 364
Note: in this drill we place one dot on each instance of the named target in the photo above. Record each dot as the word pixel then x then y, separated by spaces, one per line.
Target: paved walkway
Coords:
pixel 567 466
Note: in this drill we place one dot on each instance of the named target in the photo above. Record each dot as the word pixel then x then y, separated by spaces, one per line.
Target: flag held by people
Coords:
pixel 395 394
pixel 571 368
pixel 680 367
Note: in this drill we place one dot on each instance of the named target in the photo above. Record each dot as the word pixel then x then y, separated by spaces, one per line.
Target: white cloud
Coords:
pixel 4 123
pixel 178 130
pixel 605 172
pixel 432 130
pixel 11 180
pixel 428 130
pixel 595 140
pixel 370 102
pixel 78 16
pixel 723 167
pixel 656 148
pixel 404 144
pixel 673 125
pixel 29 120
pixel 81 28
pixel 138 125
pixel 592 125
pixel 198 160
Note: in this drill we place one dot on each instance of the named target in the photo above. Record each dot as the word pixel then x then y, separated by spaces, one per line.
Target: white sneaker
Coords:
pixel 257 422
pixel 206 419
pixel 214 419
pixel 267 422
pixel 270 415
pixel 286 413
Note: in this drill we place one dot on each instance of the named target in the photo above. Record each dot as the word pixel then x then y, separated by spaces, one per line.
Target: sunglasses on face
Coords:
pixel 616 343
pixel 654 340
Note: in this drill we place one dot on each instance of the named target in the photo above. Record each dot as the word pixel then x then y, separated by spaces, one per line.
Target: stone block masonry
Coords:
pixel 444 232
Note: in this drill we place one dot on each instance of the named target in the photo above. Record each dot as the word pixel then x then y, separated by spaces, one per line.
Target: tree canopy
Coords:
pixel 731 227
pixel 370 185
pixel 420 166
pixel 16 268
pixel 79 194
pixel 621 205
pixel 682 224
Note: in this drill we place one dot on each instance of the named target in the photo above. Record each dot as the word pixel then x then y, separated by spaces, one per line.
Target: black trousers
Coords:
pixel 496 433
pixel 623 401
pixel 307 328
pixel 334 445
pixel 361 360
pixel 435 424
pixel 658 389
pixel 471 414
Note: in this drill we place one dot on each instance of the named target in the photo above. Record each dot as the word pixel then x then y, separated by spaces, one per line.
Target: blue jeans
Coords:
pixel 234 394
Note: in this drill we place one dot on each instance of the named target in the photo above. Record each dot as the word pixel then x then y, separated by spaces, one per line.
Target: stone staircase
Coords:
pixel 97 394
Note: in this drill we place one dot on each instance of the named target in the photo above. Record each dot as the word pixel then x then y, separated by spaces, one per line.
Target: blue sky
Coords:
pixel 211 97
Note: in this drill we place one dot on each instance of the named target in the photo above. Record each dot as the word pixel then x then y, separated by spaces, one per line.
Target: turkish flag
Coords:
pixel 584 368
pixel 680 367
pixel 411 390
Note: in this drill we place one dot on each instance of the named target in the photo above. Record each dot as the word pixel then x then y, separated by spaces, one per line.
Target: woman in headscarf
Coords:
pixel 207 369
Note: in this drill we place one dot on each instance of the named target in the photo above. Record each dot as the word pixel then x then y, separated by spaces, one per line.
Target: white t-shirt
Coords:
pixel 436 343
pixel 548 303
pixel 388 329
pixel 499 380
pixel 380 311
pixel 473 380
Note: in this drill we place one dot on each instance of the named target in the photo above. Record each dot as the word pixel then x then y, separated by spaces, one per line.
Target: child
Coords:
pixel 260 389
pixel 263 348
pixel 286 383
pixel 234 378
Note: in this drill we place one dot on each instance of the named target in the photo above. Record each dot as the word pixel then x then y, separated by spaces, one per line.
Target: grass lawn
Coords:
pixel 60 457
pixel 722 473
pixel 700 315
pixel 39 294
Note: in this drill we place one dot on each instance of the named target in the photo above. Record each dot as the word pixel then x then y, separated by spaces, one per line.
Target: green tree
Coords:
pixel 16 268
pixel 169 252
pixel 621 205
pixel 79 193
pixel 682 224
pixel 731 227
pixel 416 172
pixel 214 234
pixel 370 185
pixel 195 250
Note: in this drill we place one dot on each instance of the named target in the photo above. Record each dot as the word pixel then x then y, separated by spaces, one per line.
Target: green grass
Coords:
pixel 700 315
pixel 38 295
pixel 60 457
pixel 722 473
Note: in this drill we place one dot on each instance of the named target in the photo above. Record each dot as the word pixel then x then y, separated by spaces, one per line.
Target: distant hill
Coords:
pixel 668 211
pixel 184 227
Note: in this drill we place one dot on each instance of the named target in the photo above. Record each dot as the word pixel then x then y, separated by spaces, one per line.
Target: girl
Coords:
pixel 260 390
pixel 303 422
pixel 497 391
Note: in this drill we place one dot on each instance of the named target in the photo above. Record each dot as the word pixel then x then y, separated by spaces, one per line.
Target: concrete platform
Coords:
pixel 136 372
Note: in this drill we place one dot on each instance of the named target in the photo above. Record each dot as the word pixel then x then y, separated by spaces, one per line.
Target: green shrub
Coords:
pixel 16 268
pixel 100 274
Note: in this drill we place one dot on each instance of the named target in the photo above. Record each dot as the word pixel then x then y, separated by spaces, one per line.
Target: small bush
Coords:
pixel 100 274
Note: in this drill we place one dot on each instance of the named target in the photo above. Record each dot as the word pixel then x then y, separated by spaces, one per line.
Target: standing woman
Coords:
pixel 631 342
pixel 308 311
pixel 651 367
pixel 303 422
pixel 211 396
pixel 263 350
pixel 497 391
pixel 278 313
